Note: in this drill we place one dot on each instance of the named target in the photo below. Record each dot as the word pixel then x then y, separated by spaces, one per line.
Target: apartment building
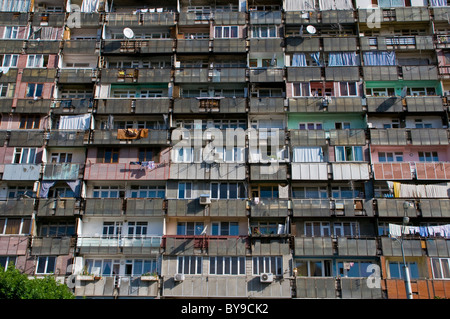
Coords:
pixel 227 149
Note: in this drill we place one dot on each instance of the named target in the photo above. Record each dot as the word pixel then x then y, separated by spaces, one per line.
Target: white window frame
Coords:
pixel 310 227
pixel 17 191
pixel 222 32
pixel 9 260
pixel 315 125
pixel 35 89
pixel 46 259
pixel 111 229
pixel 397 157
pixel 136 193
pixel 220 226
pixel 347 85
pixel 441 268
pixel 258 31
pixel 12 30
pixel 219 190
pixel 28 152
pixel 137 229
pixel 187 191
pixel 61 157
pixel 108 192
pixel 325 263
pixel 304 88
pixel 12 60
pixel 353 154
pixel 321 191
pixel 223 265
pixel 340 228
pixel 35 61
pixel 267 265
pixel 429 156
pixel 124 94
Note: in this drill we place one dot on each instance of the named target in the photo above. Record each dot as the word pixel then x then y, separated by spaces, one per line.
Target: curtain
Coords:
pixel 75 187
pixel 299 5
pixel 90 6
pixel 379 58
pixel 438 3
pixel 316 57
pixel 342 59
pixel 77 122
pixel 335 4
pixel 15 5
pixel 45 187
pixel 298 59
pixel 308 154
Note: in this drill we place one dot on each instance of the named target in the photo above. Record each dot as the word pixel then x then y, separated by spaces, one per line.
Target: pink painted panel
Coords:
pixel 386 171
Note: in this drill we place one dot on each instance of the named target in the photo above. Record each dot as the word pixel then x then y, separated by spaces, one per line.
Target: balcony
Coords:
pixel 432 136
pixel 80 47
pixel 17 207
pixel 357 247
pixel 412 247
pixel 21 172
pixel 348 137
pixel 267 105
pixel 48 19
pixel 14 245
pixel 67 207
pixel 135 106
pixel 194 18
pixel 434 207
pixel 300 17
pixel 384 104
pixel 352 207
pixel 320 104
pixel 145 207
pixel 145 245
pixel 52 246
pixel 265 17
pixel 311 207
pixel 205 171
pixel 394 136
pixel 138 46
pixel 432 171
pixel 402 14
pixel 191 75
pixel 419 72
pixel 315 287
pixel 302 44
pixel 125 19
pixel 212 245
pixel 65 138
pixel 229 45
pixel 337 16
pixel 313 246
pixel 123 171
pixel 217 208
pixel 227 75
pixel 398 43
pixel 266 75
pixel 77 76
pixel 26 138
pixel 117 137
pixel 309 171
pixel 135 75
pixel 266 45
pixel 193 45
pixel 350 171
pixel 304 74
pixel 380 73
pixel 9 76
pixel 342 73
pixel 392 171
pixel 14 18
pixel 42 47
pixel 108 207
pixel 274 171
pixel 391 207
pixel 340 44
pixel 210 105
pixel 40 106
pixel 268 207
pixel 308 137
pixel 72 106
pixel 424 104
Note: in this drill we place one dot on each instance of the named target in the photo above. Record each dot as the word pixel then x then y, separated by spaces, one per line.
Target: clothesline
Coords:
pixel 423 231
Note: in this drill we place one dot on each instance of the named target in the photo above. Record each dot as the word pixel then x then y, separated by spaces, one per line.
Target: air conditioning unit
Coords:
pixel 205 199
pixel 178 277
pixel 266 277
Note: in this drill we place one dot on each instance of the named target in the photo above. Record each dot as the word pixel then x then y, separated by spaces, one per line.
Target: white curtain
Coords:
pixel 379 58
pixel 76 122
pixel 298 59
pixel 308 154
pixel 299 5
pixel 343 59
pixel 335 4
pixel 421 191
pixel 438 3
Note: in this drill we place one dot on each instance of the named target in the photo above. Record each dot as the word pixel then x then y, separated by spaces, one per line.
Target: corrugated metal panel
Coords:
pixel 21 172
pixel 309 171
pixel 352 171
pixel 315 287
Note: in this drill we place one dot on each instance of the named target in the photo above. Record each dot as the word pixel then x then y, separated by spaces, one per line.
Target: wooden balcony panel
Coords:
pixel 39 75
pixel 77 76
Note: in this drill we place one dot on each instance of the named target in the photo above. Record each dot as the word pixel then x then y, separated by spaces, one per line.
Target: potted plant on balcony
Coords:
pixel 153 276
pixel 85 275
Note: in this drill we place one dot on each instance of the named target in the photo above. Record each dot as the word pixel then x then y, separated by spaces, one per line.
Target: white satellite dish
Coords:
pixel 128 33
pixel 311 29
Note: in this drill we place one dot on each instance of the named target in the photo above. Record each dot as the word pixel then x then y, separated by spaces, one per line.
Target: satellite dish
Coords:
pixel 128 33
pixel 404 91
pixel 311 29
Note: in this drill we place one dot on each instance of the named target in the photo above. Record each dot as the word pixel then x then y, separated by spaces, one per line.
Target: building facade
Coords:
pixel 239 149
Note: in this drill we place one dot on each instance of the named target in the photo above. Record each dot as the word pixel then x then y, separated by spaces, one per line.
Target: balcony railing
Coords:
pixel 213 245
pixel 131 245
pixel 124 171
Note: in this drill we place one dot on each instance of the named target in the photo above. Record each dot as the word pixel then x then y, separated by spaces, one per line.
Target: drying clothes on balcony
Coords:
pixel 90 5
pixel 15 5
pixel 401 190
pixel 75 122
pixel 150 165
pixel 299 5
pixel 379 58
pixel 422 231
pixel 342 59
pixel 131 134
pixel 335 5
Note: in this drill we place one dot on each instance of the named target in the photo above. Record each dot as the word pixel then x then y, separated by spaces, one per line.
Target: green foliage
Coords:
pixel 16 285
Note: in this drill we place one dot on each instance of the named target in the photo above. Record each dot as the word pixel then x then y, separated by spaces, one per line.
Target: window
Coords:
pixel 148 154
pixel 265 191
pixel 302 89
pixel 267 228
pixel 11 32
pixel 348 88
pixel 108 192
pixel 29 122
pixel 46 265
pixel 428 157
pixel 395 123
pixel 227 190
pixel 441 268
pixel 310 126
pixel 76 94
pixel 309 192
pixel 226 265
pixel 61 158
pixel 264 32
pixel 34 90
pixel 112 229
pixel 272 265
pixel 190 265
pixel 396 270
pixel 419 124
pixel 145 266
pixel 62 192
pixel 390 157
pixel 346 229
pixel 148 191
pixel 313 268
pixel 137 229
pixel 380 91
pixel 342 125
pixel 24 155
pixel 57 229
pixel 185 190
pixel 343 192
pixel 421 91
pixel 225 229
pixel 349 154
pixel 15 226
pixel 108 155
pixel 10 60
pixel 124 93
pixel 35 61
pixel 226 32
pixel 353 268
pixel 16 192
pixel 6 261
pixel 7 89
pixel 317 229
pixel 190 228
